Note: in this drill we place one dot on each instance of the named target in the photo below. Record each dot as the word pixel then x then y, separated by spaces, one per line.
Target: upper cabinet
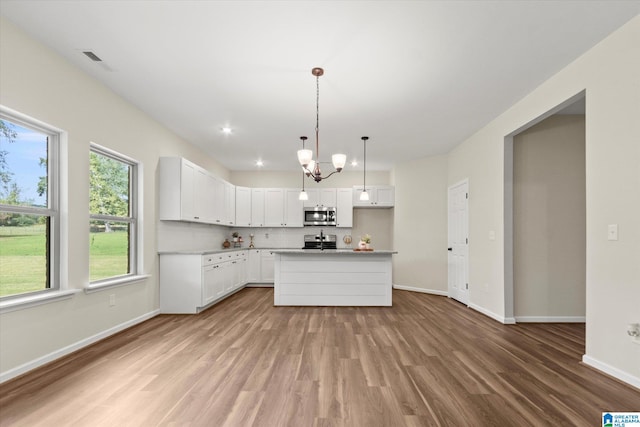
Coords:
pixel 183 191
pixel 257 207
pixel 282 207
pixel 320 197
pixel 293 209
pixel 380 196
pixel 190 193
pixel 243 207
pixel 229 204
pixel 344 207
pixel 273 207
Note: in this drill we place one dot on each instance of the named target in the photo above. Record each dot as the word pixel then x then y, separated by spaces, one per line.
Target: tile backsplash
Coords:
pixel 288 237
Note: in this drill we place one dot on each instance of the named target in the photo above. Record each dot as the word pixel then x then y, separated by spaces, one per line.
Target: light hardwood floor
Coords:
pixel 425 361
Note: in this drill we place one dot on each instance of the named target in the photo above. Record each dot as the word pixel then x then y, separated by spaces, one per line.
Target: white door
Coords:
pixel 459 242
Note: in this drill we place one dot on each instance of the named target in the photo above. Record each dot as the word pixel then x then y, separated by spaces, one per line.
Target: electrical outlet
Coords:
pixel 112 300
pixel 266 235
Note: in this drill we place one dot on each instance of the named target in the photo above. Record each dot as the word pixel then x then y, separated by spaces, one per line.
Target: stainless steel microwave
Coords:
pixel 322 216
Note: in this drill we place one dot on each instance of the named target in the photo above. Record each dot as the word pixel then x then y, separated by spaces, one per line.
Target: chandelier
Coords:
pixel 310 166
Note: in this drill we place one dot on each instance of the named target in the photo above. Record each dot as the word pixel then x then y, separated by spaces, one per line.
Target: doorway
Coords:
pixel 458 238
pixel 545 215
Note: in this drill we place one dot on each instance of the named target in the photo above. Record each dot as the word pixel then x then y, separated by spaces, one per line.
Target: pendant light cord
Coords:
pixel 364 178
pixel 317 117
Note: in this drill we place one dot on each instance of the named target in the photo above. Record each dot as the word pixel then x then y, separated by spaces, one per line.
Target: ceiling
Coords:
pixel 417 77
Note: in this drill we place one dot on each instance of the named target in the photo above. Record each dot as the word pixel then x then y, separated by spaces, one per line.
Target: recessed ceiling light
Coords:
pixel 226 130
pixel 354 163
pixel 259 163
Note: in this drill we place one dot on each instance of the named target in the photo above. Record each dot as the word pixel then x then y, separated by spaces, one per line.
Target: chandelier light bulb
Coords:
pixel 304 157
pixel 339 161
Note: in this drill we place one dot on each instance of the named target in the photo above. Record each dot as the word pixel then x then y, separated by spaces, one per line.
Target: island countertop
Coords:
pixel 332 252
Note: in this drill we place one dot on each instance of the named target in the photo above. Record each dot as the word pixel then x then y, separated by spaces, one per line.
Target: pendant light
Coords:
pixel 303 194
pixel 305 157
pixel 364 196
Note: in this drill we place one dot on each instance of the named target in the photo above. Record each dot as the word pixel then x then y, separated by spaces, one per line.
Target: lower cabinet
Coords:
pixel 260 267
pixel 191 282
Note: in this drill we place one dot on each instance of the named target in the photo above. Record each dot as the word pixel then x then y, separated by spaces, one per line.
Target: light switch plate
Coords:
pixel 612 232
pixel 492 235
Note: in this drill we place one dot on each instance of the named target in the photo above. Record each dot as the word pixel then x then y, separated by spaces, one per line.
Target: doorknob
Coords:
pixel 450 249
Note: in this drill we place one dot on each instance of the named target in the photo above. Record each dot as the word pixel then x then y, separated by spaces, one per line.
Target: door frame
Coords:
pixel 509 316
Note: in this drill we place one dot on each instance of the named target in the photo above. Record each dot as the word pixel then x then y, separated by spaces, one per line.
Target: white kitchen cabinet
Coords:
pixel 344 207
pixel 380 196
pixel 184 192
pixel 328 197
pixel 274 207
pixel 260 267
pixel 313 198
pixel 253 266
pixel 219 201
pixel 240 270
pixel 189 283
pixel 320 197
pixel 282 208
pixel 229 204
pixel 257 207
pixel 293 213
pixel 267 268
pixel 243 207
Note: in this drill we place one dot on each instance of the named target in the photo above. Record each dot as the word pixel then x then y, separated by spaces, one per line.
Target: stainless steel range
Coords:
pixel 320 241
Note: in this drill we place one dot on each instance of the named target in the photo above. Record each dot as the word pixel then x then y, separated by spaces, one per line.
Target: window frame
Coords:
pixel 52 210
pixel 134 221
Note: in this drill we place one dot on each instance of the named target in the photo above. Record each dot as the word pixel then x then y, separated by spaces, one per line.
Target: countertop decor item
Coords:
pixel 226 244
pixel 347 239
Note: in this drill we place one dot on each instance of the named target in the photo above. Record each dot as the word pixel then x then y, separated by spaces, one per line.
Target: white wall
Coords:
pixel 609 74
pixel 37 82
pixel 550 221
pixel 420 225
pixel 268 179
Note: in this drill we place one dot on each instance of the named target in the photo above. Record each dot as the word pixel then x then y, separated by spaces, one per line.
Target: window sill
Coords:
pixel 112 283
pixel 35 300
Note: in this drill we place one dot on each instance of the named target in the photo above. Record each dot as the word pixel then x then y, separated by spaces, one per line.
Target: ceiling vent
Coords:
pixel 92 56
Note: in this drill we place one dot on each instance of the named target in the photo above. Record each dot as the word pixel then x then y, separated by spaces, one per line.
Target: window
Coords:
pixel 29 212
pixel 113 215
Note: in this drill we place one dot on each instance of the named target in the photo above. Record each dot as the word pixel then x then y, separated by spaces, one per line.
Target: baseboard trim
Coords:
pixel 47 358
pixel 422 290
pixel 259 285
pixel 501 319
pixel 551 319
pixel 610 370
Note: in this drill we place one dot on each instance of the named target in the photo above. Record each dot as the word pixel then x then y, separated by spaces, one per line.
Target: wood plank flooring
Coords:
pixel 426 361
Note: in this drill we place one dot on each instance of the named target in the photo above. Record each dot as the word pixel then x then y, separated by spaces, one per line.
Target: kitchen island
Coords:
pixel 335 277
